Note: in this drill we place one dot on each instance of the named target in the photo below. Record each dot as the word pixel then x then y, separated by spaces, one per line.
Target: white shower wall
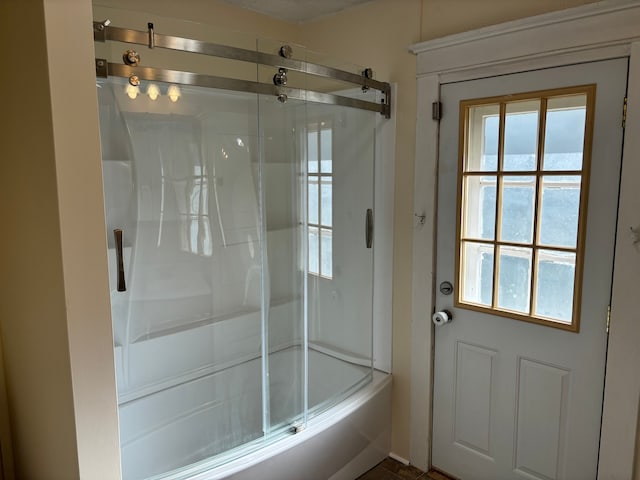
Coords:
pixel 190 211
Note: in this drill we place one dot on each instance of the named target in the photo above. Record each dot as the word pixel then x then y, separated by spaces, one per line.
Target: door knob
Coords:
pixel 441 317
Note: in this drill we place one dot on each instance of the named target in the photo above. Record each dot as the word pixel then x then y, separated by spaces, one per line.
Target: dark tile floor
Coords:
pixel 390 469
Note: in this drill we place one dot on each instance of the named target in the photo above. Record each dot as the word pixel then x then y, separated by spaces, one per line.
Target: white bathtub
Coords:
pixel 339 444
pixel 190 423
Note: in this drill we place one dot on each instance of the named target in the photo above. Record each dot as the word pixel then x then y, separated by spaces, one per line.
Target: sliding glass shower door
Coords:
pixel 241 263
pixel 182 184
pixel 340 178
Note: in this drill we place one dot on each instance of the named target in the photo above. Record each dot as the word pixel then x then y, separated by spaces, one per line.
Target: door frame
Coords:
pixel 599 31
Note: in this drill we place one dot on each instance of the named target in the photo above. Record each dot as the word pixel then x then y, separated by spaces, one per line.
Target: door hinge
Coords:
pixel 624 113
pixel 436 110
pixel 608 317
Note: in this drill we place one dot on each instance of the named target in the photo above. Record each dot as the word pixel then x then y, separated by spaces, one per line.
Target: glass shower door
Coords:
pixel 181 183
pixel 284 355
pixel 240 268
pixel 282 195
pixel 339 179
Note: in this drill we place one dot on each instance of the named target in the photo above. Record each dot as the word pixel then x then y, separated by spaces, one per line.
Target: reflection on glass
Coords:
pixel 326 253
pixel 482 141
pixel 326 201
pixel 521 136
pixel 320 195
pixel 312 151
pixel 516 216
pixel 554 289
pixel 325 150
pixel 313 199
pixel 314 251
pixel 477 273
pixel 560 210
pixel 340 294
pixel 564 136
pixel 479 212
pixel 514 279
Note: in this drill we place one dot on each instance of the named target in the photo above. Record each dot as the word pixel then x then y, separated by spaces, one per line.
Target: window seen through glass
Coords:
pixel 320 199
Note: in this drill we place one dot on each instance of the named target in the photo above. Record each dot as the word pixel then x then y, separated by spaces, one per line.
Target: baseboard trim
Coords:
pixel 398 458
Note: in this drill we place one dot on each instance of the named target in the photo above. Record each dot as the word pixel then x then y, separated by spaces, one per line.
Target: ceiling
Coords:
pixel 296 11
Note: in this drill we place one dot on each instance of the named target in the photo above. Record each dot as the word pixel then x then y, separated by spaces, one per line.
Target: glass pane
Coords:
pixel 482 141
pixel 326 253
pixel 479 211
pixel 521 136
pixel 555 284
pixel 314 251
pixel 564 136
pixel 197 270
pixel 477 273
pixel 312 151
pixel 326 153
pixel 341 300
pixel 313 199
pixel 560 210
pixel 516 216
pixel 282 167
pixel 514 279
pixel 326 201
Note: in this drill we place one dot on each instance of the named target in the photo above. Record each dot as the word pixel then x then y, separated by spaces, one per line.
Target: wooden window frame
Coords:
pixel 543 95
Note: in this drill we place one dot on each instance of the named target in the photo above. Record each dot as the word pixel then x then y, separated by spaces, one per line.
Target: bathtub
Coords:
pixel 163 427
pixel 339 444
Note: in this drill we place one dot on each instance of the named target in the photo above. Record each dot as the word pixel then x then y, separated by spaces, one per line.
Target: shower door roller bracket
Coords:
pixel 280 78
pixel 368 74
pixel 131 58
pixel 285 51
pixel 152 35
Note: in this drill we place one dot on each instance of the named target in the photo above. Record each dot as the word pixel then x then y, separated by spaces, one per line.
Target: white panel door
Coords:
pixel 514 399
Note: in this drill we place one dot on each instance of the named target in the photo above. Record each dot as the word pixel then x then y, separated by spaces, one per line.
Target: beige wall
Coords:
pixel 54 316
pixel 210 12
pixel 446 17
pixel 33 317
pixel 6 446
pixel 54 303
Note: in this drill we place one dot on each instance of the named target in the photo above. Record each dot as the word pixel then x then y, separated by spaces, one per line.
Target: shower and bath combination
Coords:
pixel 241 246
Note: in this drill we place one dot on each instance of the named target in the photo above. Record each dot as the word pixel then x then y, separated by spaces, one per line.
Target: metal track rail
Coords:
pixel 106 69
pixel 102 32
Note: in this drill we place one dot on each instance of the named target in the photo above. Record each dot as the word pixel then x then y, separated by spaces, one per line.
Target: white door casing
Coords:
pixel 593 32
pixel 515 399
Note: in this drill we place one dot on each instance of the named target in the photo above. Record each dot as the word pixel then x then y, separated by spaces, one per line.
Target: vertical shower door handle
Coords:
pixel 117 233
pixel 369 228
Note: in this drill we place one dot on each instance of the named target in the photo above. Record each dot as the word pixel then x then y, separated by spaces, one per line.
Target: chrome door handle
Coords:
pixel 441 317
pixel 369 228
pixel 117 233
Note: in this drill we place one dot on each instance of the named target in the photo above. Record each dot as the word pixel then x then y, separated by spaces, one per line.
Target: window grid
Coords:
pixel 535 247
pixel 318 178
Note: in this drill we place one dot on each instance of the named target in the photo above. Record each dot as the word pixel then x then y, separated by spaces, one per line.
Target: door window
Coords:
pixel 523 185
